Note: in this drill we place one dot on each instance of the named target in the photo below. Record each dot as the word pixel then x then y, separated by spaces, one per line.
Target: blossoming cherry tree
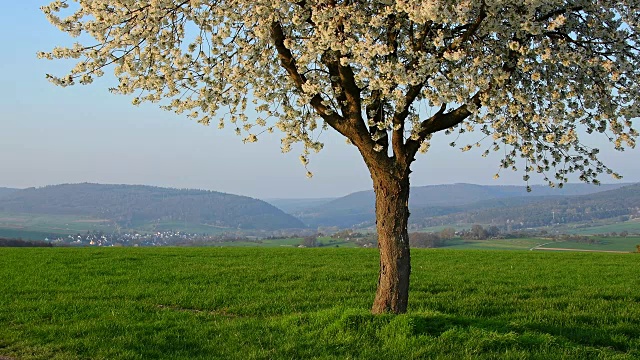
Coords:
pixel 531 77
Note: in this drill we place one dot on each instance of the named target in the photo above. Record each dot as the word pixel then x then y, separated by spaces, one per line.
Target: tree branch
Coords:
pixel 475 26
pixel 375 114
pixel 289 64
pixel 441 121
pixel 352 127
pixel 558 12
pixel 399 149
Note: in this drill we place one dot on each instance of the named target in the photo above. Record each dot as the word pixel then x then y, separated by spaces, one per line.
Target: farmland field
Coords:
pixel 39 226
pixel 271 303
pixel 496 244
pixel 612 243
pixel 604 244
pixel 632 226
pixel 284 242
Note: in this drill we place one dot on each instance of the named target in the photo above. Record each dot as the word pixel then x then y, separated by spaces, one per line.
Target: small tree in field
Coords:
pixel 532 77
pixel 447 233
pixel 310 241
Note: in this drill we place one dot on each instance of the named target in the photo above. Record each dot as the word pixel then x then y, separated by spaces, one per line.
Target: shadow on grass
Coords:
pixel 581 335
pixel 442 333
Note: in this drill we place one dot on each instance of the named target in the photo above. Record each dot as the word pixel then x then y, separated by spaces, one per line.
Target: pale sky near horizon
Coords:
pixel 51 135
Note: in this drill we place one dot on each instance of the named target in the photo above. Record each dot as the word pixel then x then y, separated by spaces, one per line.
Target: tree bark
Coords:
pixel 392 215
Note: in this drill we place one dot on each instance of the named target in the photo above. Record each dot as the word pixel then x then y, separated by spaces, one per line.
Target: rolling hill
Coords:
pixel 135 205
pixel 292 206
pixel 6 191
pixel 357 209
pixel 618 205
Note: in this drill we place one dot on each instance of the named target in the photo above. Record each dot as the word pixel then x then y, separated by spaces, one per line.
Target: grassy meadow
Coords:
pixel 632 226
pixel 613 243
pixel 286 303
pixel 38 226
pixel 495 244
pixel 323 241
pixel 601 243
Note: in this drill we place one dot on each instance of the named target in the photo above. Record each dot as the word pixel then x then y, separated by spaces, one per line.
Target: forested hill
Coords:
pixel 131 205
pixel 433 200
pixel 619 204
pixel 293 206
pixel 6 191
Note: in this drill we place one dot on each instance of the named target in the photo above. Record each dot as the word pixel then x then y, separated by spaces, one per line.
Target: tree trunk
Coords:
pixel 392 215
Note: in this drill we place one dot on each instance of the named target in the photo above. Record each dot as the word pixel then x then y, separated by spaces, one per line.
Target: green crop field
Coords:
pixel 26 234
pixel 286 242
pixel 181 226
pixel 37 227
pixel 611 243
pixel 289 303
pixel 632 226
pixel 604 244
pixel 496 244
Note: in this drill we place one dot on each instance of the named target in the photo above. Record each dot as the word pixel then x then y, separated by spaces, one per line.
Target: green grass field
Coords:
pixel 181 226
pixel 287 242
pixel 605 244
pixel 495 244
pixel 287 303
pixel 632 226
pixel 627 244
pixel 37 227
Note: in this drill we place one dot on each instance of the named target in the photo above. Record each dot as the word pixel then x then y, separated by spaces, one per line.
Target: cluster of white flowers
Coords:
pixel 530 75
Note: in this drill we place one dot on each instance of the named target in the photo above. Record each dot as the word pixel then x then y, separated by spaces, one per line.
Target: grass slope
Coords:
pixel 632 226
pixel 604 244
pixel 40 226
pixel 230 303
pixel 613 243
pixel 43 225
pixel 496 244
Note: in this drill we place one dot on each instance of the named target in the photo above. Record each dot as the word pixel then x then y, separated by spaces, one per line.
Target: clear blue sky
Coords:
pixel 51 135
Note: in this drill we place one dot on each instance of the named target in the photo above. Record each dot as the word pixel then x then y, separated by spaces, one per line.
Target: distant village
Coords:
pixel 180 238
pixel 158 238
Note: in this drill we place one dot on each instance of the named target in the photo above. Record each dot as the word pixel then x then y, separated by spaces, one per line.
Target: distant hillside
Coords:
pixel 6 191
pixel 292 206
pixel 619 204
pixel 131 205
pixel 426 201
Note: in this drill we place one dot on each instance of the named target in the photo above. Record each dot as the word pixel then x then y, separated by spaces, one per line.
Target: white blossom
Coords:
pixel 532 76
